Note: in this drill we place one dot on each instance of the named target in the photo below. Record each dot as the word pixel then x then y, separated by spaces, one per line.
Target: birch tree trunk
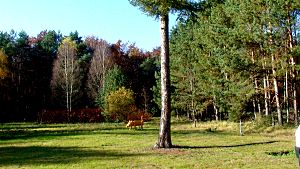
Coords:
pixel 66 77
pixel 164 139
pixel 286 96
pixel 241 128
pixel 266 96
pixel 101 62
pixel 71 82
pixel 266 89
pixel 295 103
pixel 256 97
pixel 216 112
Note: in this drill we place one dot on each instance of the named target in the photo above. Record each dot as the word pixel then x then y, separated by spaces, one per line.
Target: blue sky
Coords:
pixel 107 19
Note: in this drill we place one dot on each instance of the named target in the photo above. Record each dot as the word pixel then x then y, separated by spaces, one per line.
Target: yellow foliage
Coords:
pixel 120 102
pixel 68 42
pixel 3 64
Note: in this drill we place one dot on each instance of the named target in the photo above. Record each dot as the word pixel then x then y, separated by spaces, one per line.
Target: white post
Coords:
pixel 241 128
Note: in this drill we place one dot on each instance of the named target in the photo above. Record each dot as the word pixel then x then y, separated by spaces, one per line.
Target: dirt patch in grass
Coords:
pixel 281 153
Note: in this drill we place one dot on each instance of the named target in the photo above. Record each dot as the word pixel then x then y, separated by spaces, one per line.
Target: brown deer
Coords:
pixel 135 123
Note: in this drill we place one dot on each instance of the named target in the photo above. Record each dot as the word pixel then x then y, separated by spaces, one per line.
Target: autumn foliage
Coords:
pixel 3 64
pixel 137 116
pixel 120 103
pixel 53 71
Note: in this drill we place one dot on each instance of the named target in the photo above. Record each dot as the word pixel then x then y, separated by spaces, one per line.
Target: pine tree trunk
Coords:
pixel 194 113
pixel 256 99
pixel 276 90
pixel 294 88
pixel 294 73
pixel 269 100
pixel 193 106
pixel 164 139
pixel 145 100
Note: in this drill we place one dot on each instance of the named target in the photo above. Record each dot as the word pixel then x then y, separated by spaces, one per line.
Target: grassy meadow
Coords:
pixel 111 145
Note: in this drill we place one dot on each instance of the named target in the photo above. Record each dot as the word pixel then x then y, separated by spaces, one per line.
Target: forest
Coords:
pixel 52 72
pixel 238 60
pixel 230 60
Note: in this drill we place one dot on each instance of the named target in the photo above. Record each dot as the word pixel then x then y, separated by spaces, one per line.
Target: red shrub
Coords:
pixel 56 116
pixel 89 115
pixel 137 116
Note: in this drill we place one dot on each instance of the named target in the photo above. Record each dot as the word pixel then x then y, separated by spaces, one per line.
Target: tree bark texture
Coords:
pixel 164 139
pixel 294 72
pixel 266 96
pixel 276 90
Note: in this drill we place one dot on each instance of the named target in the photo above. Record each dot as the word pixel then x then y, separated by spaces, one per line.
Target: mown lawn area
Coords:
pixel 111 145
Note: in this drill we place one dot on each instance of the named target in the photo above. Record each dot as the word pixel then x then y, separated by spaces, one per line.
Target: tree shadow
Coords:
pixel 27 134
pixel 222 146
pixel 37 155
pixel 204 132
pixel 131 131
pixel 25 131
pixel 20 133
pixel 22 126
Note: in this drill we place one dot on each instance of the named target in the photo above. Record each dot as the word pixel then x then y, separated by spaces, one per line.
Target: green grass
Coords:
pixel 111 145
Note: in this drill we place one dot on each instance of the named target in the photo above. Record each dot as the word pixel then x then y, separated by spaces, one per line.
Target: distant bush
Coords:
pixel 263 122
pixel 120 104
pixel 53 116
pixel 89 115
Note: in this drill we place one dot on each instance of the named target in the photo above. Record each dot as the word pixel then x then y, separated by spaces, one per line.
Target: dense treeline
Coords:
pixel 230 60
pixel 56 72
pixel 238 60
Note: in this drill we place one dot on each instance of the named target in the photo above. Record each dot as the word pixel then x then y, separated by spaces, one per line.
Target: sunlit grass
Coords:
pixel 111 145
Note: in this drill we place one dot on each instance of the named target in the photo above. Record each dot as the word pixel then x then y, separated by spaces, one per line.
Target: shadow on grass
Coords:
pixel 23 126
pixel 132 131
pixel 223 146
pixel 28 131
pixel 204 132
pixel 39 155
pixel 27 134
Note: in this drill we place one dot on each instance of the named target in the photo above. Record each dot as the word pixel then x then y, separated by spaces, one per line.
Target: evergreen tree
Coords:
pixel 239 48
pixel 114 79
